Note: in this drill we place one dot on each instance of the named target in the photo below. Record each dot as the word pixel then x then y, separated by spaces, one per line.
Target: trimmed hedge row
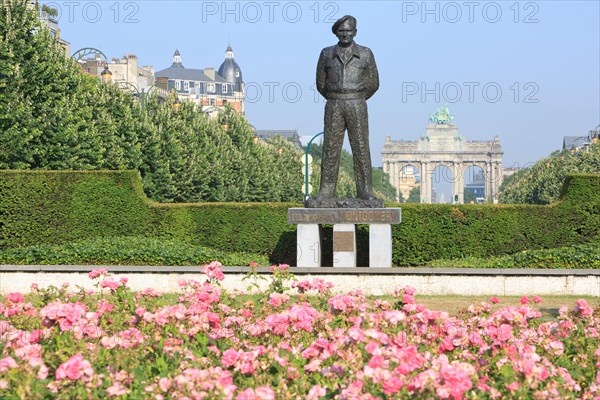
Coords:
pixel 124 250
pixel 53 207
pixel 39 207
pixel 582 256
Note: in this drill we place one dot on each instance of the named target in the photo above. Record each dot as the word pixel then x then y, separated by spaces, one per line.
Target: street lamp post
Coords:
pixel 143 93
pixel 381 180
pixel 176 105
pixel 106 75
pixel 595 138
pixel 214 111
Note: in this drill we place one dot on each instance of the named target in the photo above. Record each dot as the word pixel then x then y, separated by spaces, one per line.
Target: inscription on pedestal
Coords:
pixel 344 216
pixel 343 241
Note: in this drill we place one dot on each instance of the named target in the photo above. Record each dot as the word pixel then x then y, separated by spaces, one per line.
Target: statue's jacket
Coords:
pixel 347 77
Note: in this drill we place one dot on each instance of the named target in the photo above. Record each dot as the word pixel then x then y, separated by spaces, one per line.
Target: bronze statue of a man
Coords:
pixel 346 76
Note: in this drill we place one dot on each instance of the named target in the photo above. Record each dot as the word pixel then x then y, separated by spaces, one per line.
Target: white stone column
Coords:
pixel 425 181
pixel 344 245
pixel 380 246
pixel 497 181
pixel 309 246
pixel 488 181
pixel 392 172
pixel 429 183
pixel 461 183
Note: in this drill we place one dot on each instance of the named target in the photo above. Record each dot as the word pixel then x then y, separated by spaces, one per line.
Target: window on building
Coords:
pixel 237 73
pixel 197 85
pixel 186 85
pixel 224 88
pixel 211 87
pixel 178 85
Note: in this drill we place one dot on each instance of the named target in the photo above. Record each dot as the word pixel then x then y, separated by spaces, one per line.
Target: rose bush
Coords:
pixel 303 344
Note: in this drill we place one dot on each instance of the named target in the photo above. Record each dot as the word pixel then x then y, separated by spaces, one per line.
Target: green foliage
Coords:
pixel 231 227
pixel 59 207
pixel 346 187
pixel 53 12
pixel 38 207
pixel 470 197
pixel 129 250
pixel 415 195
pixel 585 256
pixel 542 183
pixel 54 117
pixel 430 232
pixel 188 157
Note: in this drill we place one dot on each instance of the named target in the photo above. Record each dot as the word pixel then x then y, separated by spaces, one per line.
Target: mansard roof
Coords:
pixel 188 74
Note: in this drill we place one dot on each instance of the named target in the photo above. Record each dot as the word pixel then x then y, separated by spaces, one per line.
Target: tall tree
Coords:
pixel 53 116
pixel 542 183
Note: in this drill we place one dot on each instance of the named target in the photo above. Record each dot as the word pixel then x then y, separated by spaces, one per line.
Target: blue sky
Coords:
pixel 528 71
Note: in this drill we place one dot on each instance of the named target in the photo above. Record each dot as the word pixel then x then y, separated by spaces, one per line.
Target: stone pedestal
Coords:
pixel 380 246
pixel 344 221
pixel 309 246
pixel 344 245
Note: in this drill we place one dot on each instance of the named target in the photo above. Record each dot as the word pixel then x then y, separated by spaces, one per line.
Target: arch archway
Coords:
pixel 474 189
pixel 443 145
pixel 409 183
pixel 442 184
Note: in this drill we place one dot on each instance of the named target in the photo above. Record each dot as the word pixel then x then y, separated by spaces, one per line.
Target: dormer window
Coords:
pixel 210 87
pixel 237 73
pixel 224 89
pixel 186 85
pixel 178 85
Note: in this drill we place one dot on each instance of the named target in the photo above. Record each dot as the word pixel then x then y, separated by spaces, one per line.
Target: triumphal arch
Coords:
pixel 443 145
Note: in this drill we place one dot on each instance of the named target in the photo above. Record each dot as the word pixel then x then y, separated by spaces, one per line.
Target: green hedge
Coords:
pixel 583 256
pixel 39 207
pixel 53 207
pixel 232 227
pixel 124 250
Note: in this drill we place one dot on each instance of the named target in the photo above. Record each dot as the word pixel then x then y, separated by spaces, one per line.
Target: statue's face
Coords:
pixel 346 32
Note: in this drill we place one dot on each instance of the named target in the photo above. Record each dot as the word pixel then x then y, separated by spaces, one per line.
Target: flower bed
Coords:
pixel 305 343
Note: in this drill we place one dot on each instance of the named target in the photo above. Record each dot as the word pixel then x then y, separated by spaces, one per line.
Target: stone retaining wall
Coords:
pixel 427 281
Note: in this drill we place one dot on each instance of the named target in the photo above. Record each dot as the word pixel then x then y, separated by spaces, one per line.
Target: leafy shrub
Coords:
pixel 40 207
pixel 586 256
pixel 132 250
pixel 212 344
pixel 541 184
pixel 55 117
pixel 61 206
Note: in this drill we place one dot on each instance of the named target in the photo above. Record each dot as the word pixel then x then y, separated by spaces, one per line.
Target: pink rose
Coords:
pixel 75 368
pixel 15 297
pixel 109 283
pixel 316 393
pixel 213 271
pixel 97 272
pixel 7 363
pixel 583 308
pixel 229 358
pixel 278 299
pixel 264 393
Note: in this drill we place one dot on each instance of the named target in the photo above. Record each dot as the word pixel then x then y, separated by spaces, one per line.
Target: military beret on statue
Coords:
pixel 340 21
